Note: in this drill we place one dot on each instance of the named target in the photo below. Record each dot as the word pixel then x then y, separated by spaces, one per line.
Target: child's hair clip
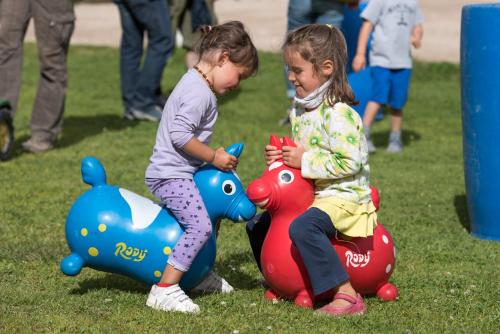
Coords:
pixel 329 25
pixel 205 29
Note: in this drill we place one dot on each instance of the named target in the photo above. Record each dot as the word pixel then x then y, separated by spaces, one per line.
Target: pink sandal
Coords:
pixel 357 306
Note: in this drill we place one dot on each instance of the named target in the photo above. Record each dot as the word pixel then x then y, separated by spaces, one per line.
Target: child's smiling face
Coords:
pixel 303 74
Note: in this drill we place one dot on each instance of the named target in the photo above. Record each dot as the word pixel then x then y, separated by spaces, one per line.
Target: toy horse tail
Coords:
pixel 93 172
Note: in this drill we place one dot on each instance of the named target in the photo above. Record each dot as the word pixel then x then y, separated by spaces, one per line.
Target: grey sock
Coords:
pixel 395 136
pixel 395 142
pixel 369 143
pixel 366 130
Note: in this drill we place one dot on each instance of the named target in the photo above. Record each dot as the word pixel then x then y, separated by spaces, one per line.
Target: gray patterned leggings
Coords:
pixel 183 199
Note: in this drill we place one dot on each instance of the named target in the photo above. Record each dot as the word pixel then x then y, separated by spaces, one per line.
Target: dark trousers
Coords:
pixel 310 234
pixel 54 24
pixel 140 17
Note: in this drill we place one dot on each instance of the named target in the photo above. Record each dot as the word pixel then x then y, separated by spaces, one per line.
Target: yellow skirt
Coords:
pixel 351 219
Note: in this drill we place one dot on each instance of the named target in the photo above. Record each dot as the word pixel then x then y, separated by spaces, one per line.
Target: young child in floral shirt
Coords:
pixel 331 150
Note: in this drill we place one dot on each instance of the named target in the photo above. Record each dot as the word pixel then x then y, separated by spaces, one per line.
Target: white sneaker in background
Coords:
pixel 213 283
pixel 171 298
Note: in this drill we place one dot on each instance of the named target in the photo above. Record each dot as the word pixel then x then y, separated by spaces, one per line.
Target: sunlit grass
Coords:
pixel 448 281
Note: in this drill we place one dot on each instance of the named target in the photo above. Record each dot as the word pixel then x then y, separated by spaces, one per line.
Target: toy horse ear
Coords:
pixel 235 149
pixel 288 142
pixel 93 172
pixel 275 141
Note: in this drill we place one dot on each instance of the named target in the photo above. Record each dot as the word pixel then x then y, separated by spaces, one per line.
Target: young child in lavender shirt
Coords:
pixel 227 55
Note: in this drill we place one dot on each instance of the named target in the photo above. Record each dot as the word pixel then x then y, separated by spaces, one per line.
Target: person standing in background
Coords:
pixel 396 26
pixel 138 84
pixel 188 17
pixel 54 23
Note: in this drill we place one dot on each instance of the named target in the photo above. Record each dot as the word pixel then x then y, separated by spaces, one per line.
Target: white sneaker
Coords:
pixel 171 299
pixel 213 283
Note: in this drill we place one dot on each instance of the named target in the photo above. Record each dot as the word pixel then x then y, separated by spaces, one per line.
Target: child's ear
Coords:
pixel 327 68
pixel 223 58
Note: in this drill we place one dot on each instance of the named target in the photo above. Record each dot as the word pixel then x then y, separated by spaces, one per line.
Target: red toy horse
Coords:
pixel 285 194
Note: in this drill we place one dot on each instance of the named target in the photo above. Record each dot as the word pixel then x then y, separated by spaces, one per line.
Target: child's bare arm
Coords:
pixel 416 36
pixel 219 158
pixel 359 61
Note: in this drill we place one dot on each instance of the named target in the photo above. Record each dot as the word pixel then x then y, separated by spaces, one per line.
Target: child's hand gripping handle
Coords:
pixel 223 160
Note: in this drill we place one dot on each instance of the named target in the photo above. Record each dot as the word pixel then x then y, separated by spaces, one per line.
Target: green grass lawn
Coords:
pixel 448 280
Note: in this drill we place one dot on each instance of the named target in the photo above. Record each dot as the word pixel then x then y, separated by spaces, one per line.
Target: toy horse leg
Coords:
pixel 72 264
pixel 387 292
pixel 271 295
pixel 304 299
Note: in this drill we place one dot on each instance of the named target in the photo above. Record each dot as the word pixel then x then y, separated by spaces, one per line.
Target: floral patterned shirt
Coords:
pixel 336 154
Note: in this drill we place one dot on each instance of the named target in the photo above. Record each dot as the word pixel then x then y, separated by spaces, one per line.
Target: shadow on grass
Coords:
pixel 110 282
pixel 77 128
pixel 238 279
pixel 381 139
pixel 460 203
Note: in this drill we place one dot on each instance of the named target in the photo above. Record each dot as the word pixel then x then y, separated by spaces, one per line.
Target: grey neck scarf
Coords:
pixel 314 99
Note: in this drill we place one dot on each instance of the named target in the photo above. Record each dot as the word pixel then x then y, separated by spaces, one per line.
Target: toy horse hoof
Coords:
pixel 388 292
pixel 303 299
pixel 271 295
pixel 72 264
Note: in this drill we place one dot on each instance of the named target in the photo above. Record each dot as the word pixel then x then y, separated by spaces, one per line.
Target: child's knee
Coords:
pixel 206 230
pixel 298 231
pixel 201 231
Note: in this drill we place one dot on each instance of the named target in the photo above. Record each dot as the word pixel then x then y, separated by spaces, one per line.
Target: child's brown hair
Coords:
pixel 232 38
pixel 317 43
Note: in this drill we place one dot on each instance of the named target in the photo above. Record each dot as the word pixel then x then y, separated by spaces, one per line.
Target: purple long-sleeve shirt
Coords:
pixel 191 111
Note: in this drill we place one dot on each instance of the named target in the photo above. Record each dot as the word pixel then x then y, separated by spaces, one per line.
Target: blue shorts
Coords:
pixel 390 86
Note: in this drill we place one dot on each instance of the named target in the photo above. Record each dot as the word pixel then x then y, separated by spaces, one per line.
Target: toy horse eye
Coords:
pixel 286 176
pixel 228 187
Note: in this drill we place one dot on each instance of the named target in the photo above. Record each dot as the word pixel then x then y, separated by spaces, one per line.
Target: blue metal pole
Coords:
pixel 480 91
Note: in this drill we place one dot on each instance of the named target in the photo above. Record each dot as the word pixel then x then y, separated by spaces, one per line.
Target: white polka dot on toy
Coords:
pixel 388 268
pixel 385 239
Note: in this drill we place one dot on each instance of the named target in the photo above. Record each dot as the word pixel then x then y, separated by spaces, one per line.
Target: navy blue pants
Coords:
pixel 138 18
pixel 310 234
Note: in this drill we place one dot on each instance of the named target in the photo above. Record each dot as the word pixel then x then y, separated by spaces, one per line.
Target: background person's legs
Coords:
pixel 54 26
pixel 395 141
pixel 155 18
pixel 14 18
pixel 371 111
pixel 131 48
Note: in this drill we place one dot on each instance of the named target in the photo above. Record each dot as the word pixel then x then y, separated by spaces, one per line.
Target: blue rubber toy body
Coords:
pixel 112 229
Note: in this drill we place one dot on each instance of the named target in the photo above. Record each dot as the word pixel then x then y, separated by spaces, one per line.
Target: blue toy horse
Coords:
pixel 115 230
